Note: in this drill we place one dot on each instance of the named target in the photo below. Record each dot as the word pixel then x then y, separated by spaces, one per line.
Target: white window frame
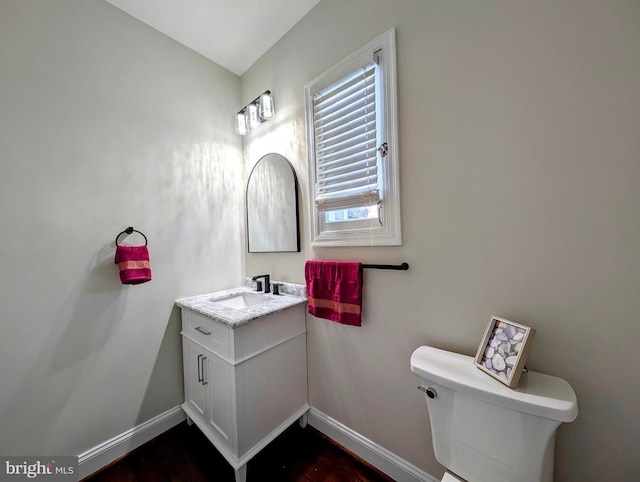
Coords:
pixel 385 230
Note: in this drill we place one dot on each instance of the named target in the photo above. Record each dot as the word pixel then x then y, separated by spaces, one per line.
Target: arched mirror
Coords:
pixel 272 206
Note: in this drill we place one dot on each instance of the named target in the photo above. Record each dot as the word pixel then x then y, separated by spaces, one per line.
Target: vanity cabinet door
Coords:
pixel 194 388
pixel 218 379
pixel 208 390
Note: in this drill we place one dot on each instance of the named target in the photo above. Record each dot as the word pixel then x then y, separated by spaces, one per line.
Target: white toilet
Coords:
pixel 482 430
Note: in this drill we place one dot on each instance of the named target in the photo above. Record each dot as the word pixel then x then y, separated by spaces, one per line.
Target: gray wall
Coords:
pixel 519 177
pixel 104 124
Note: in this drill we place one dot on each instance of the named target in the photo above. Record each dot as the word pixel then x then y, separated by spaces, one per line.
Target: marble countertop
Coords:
pixel 292 294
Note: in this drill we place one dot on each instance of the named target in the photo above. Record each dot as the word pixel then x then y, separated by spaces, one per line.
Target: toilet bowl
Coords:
pixel 484 431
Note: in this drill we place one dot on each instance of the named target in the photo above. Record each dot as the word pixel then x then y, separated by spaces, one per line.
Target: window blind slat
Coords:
pixel 338 168
pixel 361 181
pixel 346 150
pixel 345 166
pixel 346 98
pixel 336 136
pixel 354 158
pixel 362 136
pixel 362 115
pixel 331 115
pixel 364 170
pixel 329 96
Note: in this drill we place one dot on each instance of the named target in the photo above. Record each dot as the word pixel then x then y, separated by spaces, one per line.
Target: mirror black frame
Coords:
pixel 297 208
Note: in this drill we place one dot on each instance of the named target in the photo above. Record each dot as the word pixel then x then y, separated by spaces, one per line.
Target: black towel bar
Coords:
pixel 399 267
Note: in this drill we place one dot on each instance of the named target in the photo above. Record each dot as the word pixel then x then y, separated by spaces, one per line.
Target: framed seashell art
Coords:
pixel 503 350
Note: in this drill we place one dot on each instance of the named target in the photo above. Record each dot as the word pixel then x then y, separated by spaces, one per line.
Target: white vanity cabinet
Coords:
pixel 245 383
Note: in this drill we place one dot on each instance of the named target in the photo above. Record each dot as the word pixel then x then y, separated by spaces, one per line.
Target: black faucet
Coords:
pixel 267 285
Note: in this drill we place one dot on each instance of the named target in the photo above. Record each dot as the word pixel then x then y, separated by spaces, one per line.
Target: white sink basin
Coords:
pixel 240 301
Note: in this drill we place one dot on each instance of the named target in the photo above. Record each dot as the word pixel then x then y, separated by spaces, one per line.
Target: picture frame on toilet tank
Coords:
pixel 503 350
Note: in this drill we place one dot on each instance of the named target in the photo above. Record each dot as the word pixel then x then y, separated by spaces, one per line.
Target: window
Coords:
pixel 353 155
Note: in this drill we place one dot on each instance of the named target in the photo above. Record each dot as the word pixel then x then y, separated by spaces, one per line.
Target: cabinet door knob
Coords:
pixel 199 369
pixel 202 330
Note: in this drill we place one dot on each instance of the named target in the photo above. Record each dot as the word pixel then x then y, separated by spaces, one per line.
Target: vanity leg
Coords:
pixel 241 474
pixel 303 419
pixel 189 421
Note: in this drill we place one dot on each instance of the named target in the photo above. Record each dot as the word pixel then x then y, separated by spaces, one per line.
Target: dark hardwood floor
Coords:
pixel 184 454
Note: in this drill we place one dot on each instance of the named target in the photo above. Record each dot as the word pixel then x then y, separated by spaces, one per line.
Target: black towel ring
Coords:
pixel 130 230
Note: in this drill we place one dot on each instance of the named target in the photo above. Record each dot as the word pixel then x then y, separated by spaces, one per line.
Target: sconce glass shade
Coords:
pixel 266 109
pixel 255 113
pixel 241 124
pixel 252 116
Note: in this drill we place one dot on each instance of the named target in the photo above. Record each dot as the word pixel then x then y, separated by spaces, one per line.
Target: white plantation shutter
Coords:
pixel 345 142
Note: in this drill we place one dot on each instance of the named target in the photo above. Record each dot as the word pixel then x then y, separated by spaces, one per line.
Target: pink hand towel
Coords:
pixel 133 262
pixel 334 291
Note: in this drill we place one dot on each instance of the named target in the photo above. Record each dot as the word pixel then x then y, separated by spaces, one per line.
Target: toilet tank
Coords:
pixel 484 431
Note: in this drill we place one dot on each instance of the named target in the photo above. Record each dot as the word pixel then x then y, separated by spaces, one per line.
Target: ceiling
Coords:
pixel 232 33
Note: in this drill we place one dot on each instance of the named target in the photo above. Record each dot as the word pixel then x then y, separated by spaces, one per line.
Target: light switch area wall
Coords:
pixel 104 123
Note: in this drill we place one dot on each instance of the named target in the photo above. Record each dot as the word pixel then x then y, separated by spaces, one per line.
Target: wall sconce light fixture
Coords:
pixel 255 113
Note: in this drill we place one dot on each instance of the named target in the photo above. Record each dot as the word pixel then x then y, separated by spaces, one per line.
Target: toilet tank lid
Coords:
pixel 537 394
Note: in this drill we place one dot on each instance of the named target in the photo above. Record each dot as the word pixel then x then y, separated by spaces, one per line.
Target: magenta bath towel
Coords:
pixel 133 262
pixel 334 290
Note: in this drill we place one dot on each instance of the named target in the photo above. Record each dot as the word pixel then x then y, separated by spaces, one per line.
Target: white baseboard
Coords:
pixel 384 460
pixel 395 467
pixel 101 455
